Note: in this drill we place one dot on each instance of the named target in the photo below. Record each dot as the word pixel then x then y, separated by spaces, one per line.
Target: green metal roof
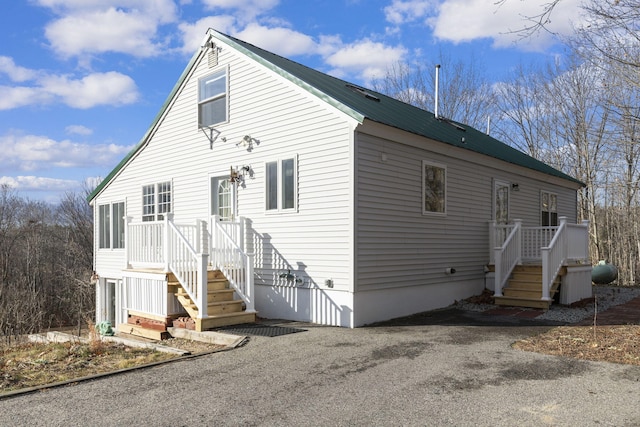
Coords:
pixel 361 103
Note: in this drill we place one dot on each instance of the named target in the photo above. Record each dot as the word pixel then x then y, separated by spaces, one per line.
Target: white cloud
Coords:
pixel 110 88
pixel 367 58
pixel 38 183
pixel 467 20
pixel 194 33
pixel 35 152
pixel 279 40
pixel 78 130
pixel 15 72
pixel 401 11
pixel 248 9
pixel 95 26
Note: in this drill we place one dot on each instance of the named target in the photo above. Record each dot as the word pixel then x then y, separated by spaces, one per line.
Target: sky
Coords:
pixel 82 80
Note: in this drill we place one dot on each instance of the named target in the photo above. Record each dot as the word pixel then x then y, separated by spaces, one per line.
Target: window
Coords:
pixel 281 185
pixel 111 226
pixel 434 183
pixel 212 99
pixel 156 201
pixel 549 208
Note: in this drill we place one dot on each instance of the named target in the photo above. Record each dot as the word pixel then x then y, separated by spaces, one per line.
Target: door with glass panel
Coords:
pixel 223 198
pixel 501 202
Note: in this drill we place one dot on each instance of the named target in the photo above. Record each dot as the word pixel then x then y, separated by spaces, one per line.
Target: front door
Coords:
pixel 501 202
pixel 223 198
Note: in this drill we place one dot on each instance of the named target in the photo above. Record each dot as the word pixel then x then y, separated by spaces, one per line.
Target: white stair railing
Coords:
pixel 553 257
pixel 189 263
pixel 229 257
pixel 507 256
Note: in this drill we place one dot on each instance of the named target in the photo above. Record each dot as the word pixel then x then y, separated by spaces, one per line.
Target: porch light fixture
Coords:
pixel 515 186
pixel 247 142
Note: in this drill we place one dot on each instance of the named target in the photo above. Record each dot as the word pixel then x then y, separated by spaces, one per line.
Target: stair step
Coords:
pixel 225 320
pixel 212 295
pixel 522 302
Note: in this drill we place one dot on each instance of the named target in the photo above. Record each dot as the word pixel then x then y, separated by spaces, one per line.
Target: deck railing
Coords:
pixel 184 250
pixel 553 246
pixel 507 256
pixel 230 258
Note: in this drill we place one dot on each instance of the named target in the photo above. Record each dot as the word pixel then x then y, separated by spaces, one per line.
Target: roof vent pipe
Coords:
pixel 435 110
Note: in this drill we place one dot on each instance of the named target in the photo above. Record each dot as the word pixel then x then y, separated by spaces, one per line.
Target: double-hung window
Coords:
pixel 156 201
pixel 434 188
pixel 549 209
pixel 111 226
pixel 281 184
pixel 212 99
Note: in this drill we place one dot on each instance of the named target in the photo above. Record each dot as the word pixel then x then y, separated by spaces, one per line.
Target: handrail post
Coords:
pixel 203 260
pixel 251 304
pixel 497 292
pixel 168 218
pixel 519 240
pixel 492 241
pixel 215 244
pixel 545 252
pixel 127 243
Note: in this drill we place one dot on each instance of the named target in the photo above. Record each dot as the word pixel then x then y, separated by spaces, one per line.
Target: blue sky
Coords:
pixel 81 80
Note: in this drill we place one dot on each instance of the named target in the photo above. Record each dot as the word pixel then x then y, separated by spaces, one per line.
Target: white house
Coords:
pixel 317 200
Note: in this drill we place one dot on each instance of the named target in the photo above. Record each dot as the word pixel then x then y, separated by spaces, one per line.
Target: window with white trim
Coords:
pixel 281 185
pixel 111 226
pixel 434 187
pixel 549 209
pixel 156 201
pixel 212 99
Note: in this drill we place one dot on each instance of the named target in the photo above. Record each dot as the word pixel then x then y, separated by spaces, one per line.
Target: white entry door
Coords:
pixel 223 198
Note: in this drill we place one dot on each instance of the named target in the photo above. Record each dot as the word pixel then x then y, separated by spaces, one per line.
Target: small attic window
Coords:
pixel 363 92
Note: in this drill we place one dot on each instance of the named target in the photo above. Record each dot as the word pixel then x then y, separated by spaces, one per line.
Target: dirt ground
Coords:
pixel 615 343
pixel 27 364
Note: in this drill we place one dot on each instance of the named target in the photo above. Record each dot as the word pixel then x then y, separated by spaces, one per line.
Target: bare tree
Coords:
pixel 465 95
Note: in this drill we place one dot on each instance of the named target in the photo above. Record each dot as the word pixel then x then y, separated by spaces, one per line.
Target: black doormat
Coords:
pixel 260 330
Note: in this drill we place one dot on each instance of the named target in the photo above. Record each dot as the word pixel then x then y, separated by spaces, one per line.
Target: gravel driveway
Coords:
pixel 447 367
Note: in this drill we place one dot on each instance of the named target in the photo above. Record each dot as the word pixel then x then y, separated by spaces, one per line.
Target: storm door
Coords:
pixel 501 202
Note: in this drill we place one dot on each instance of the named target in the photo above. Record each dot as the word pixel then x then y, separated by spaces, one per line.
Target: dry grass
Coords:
pixel 24 365
pixel 616 344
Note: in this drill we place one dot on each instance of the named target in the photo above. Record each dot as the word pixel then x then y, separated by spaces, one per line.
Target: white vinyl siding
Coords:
pixel 287 123
pixel 398 247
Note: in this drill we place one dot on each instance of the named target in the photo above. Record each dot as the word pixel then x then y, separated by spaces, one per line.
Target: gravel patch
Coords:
pixel 605 297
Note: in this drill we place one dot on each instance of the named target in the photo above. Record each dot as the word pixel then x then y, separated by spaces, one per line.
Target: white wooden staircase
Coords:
pixel 223 306
pixel 524 288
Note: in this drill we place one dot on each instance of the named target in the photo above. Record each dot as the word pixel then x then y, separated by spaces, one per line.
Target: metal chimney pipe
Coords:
pixel 435 110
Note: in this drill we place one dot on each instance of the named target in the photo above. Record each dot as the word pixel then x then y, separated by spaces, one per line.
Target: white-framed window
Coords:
pixel 156 201
pixel 111 226
pixel 548 209
pixel 434 188
pixel 281 183
pixel 212 98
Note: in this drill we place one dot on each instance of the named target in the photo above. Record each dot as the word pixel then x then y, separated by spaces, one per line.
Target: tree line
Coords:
pixel 579 113
pixel 46 258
